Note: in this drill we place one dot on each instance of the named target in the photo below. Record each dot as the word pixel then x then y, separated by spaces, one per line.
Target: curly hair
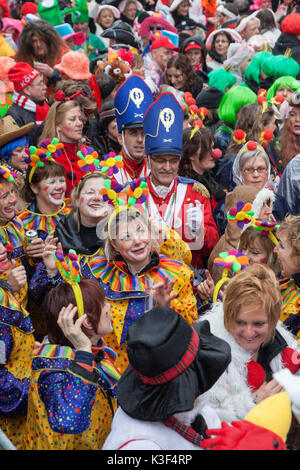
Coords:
pixel 182 63
pixel 47 33
pixel 86 101
pixel 291 225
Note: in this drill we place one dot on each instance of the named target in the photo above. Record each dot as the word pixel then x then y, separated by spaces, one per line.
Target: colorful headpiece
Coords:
pixel 37 157
pixel 8 174
pixel 233 260
pixel 111 164
pixel 112 191
pixel 239 136
pixel 243 214
pixel 265 137
pixel 89 160
pixel 70 272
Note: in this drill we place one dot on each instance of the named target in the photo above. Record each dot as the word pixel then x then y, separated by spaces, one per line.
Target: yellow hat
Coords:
pixel 273 413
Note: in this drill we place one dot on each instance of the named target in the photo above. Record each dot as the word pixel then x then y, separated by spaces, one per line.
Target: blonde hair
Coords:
pixel 291 225
pixel 55 116
pixel 125 217
pixel 255 285
pixel 75 195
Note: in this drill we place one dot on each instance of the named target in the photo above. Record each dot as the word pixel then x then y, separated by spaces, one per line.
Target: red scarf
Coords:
pixel 185 431
pixel 28 104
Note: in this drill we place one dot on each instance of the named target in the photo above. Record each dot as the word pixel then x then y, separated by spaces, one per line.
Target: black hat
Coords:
pixel 171 364
pixel 122 33
pixel 210 98
pixel 106 85
pixel 188 24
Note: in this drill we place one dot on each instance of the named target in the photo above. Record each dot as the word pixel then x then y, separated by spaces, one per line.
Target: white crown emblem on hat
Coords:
pixel 167 118
pixel 137 96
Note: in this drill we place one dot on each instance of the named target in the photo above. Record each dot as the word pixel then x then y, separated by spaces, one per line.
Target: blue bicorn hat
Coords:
pixel 163 126
pixel 131 102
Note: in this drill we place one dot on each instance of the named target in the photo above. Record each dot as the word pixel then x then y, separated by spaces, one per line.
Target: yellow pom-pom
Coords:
pixel 89 159
pixel 138 192
pixel 51 148
pixel 110 162
pixel 111 194
pixel 240 216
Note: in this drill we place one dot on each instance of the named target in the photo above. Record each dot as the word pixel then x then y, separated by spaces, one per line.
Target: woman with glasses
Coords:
pixel 252 166
pixel 217 45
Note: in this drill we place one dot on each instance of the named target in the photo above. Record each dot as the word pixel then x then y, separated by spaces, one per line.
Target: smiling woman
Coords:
pixel 248 320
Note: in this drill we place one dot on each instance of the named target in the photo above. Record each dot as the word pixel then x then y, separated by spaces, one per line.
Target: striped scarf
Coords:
pixel 185 431
pixel 26 103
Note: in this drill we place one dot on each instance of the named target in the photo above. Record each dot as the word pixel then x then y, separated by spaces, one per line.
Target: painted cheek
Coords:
pixel 262 260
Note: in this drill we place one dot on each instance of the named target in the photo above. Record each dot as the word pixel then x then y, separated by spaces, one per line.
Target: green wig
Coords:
pixel 221 79
pixel 284 82
pixel 279 66
pixel 233 100
pixel 252 71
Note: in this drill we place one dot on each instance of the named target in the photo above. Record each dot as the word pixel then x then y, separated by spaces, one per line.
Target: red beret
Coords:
pixel 22 74
pixel 291 24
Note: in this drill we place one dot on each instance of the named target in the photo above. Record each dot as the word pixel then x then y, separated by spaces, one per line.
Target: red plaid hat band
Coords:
pixel 176 370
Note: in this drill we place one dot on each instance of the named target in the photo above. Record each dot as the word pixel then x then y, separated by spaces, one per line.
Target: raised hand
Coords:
pixel 162 292
pixel 73 330
pixel 51 245
pixel 17 277
pixel 206 288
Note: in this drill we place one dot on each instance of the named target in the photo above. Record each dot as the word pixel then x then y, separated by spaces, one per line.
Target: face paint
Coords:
pixel 55 188
pixel 4 261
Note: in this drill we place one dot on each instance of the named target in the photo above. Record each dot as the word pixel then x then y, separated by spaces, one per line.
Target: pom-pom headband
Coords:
pixel 37 157
pixel 233 260
pixel 70 272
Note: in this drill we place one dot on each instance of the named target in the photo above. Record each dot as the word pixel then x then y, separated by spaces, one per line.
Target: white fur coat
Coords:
pixel 231 396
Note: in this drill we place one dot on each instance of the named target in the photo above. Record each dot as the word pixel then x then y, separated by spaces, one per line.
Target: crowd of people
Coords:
pixel 149 224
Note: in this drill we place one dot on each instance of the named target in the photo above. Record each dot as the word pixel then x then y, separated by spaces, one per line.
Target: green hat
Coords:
pixel 221 79
pixel 233 100
pixel 284 82
pixel 49 11
pixel 252 71
pixel 82 13
pixel 279 66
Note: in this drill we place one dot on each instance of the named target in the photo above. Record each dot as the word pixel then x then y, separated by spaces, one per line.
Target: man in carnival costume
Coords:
pixel 29 105
pixel 131 102
pixel 180 202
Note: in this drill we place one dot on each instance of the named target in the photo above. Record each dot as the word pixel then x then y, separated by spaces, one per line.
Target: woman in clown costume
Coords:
pixel 72 397
pixel 17 344
pixel 125 289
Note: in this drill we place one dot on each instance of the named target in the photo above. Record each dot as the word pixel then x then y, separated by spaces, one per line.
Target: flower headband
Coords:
pixel 233 260
pixel 8 174
pixel 70 272
pixel 37 157
pixel 243 214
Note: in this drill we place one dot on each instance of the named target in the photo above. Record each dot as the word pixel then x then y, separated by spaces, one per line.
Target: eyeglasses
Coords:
pixel 251 170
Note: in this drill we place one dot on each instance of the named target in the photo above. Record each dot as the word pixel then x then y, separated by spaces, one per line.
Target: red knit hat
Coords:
pixel 291 24
pixel 22 74
pixel 29 7
pixel 163 41
pixel 192 45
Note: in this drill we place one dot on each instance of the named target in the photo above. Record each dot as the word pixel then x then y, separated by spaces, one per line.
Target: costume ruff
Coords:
pixel 44 224
pixel 290 294
pixel 127 296
pixel 16 332
pixel 13 234
pixel 76 415
pixel 231 395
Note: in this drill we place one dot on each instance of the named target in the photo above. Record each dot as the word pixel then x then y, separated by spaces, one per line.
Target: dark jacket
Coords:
pixel 23 116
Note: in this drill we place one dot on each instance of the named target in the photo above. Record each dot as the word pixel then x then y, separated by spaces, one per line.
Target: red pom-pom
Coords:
pixel 216 153
pixel 291 359
pixel 186 95
pixel 59 96
pixel 190 100
pixel 268 134
pixel 251 145
pixel 193 109
pixel 239 134
pixel 262 91
pixel 261 99
pixel 203 111
pixel 279 98
pixel 198 123
pixel 256 375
